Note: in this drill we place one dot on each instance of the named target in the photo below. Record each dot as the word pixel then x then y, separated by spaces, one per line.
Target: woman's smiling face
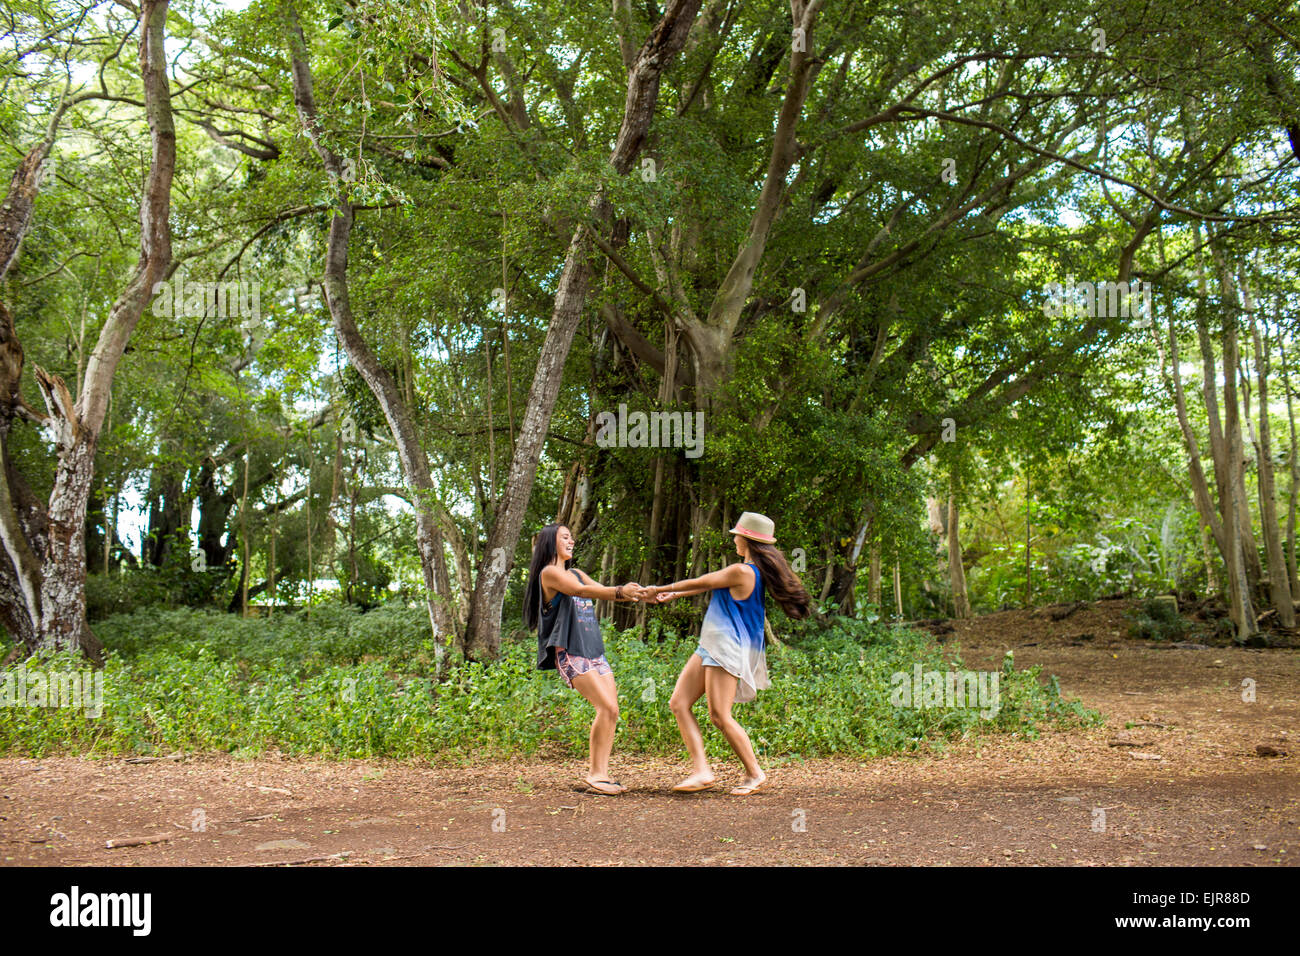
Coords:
pixel 563 543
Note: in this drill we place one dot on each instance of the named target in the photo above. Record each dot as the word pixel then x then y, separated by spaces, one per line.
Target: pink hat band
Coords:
pixel 756 527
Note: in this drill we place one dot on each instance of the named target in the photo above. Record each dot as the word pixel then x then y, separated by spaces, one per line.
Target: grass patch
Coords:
pixel 347 684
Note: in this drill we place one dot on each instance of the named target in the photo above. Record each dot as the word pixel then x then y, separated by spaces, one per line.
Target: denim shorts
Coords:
pixel 704 656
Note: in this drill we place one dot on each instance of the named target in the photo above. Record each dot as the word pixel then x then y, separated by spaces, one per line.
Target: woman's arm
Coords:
pixel 554 579
pixel 729 577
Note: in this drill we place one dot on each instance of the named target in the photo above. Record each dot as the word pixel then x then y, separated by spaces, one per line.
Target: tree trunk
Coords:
pixel 415 465
pixel 665 41
pixel 19 206
pixel 1243 613
pixel 352 531
pixel 1239 600
pixel 603 608
pixel 873 575
pixel 898 587
pixel 956 573
pixel 331 525
pixel 245 544
pixel 1029 564
pixel 46 559
pixel 1279 580
pixel 710 339
pixel 648 562
pixel 1211 579
pixel 934 514
pixel 1291 466
pixel 1200 487
pixel 311 564
pixel 110 526
pixel 829 577
pixel 270 559
pixel 168 514
pixel 1245 523
pixel 844 584
pixel 667 394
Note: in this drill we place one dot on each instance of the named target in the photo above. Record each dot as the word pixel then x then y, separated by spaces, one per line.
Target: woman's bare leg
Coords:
pixel 689 689
pixel 601 692
pixel 721 690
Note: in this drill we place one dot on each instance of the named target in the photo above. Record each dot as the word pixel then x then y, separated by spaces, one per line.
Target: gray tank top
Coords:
pixel 569 622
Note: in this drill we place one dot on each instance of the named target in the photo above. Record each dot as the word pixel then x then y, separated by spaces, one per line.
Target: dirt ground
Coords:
pixel 1174 778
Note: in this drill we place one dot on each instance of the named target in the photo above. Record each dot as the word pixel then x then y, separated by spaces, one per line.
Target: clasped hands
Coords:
pixel 648 594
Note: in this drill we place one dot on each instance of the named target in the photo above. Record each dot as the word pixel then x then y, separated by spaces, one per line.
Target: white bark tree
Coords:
pixel 43 570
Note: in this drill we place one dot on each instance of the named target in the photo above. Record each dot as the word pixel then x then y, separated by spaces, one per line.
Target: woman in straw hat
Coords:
pixel 730 664
pixel 558 604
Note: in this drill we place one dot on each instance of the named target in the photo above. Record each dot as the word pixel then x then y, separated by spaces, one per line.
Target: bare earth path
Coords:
pixel 1067 798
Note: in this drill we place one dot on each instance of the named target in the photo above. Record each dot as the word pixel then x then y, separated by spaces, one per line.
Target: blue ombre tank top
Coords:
pixel 733 635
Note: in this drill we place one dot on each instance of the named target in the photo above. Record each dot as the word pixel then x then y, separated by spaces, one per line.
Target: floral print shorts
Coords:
pixel 570 666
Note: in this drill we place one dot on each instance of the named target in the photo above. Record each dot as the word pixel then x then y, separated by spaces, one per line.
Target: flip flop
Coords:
pixel 695 787
pixel 592 787
pixel 747 789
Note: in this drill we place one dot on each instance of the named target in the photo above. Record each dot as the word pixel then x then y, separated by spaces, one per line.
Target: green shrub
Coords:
pixel 348 684
pixel 176 584
pixel 1157 620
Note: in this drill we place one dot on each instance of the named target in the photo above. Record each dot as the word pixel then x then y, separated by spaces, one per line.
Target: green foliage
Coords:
pixel 887 300
pixel 1103 519
pixel 347 684
pixel 176 583
pixel 1157 620
pixel 122 593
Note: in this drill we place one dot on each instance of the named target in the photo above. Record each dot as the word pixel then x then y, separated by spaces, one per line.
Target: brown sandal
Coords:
pixel 685 787
pixel 746 789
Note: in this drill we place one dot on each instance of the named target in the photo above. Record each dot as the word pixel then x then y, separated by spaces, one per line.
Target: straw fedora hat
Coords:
pixel 756 527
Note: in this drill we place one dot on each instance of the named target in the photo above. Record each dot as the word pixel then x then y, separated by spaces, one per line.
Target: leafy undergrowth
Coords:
pixel 346 684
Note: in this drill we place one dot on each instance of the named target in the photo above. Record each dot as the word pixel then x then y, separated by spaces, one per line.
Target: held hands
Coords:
pixel 650 595
pixel 658 595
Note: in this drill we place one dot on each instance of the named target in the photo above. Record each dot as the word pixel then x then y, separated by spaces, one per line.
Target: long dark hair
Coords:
pixel 781 582
pixel 543 554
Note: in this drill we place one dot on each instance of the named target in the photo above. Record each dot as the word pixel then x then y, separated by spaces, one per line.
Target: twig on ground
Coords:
pixel 310 859
pixel 139 841
pixel 176 756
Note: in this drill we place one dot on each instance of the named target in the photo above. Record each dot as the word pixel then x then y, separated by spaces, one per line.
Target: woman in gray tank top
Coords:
pixel 558 604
